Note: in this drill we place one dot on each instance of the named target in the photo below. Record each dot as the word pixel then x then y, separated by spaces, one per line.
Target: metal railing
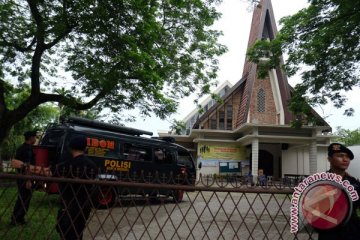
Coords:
pixel 212 208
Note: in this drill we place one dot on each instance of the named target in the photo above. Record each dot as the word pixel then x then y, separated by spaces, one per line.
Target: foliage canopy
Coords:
pixel 348 137
pixel 109 54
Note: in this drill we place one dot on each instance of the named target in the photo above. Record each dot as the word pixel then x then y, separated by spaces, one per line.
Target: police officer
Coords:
pixel 339 157
pixel 25 154
pixel 75 198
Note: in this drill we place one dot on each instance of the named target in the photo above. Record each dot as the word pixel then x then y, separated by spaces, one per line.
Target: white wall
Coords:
pixel 354 168
pixel 322 162
pixel 296 160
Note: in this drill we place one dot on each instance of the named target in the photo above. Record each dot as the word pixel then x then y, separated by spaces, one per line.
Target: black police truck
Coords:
pixel 121 154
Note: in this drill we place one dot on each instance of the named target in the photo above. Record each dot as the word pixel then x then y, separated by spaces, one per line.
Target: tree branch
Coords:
pixel 38 19
pixel 71 102
pixel 67 30
pixel 58 38
pixel 17 46
pixel 39 50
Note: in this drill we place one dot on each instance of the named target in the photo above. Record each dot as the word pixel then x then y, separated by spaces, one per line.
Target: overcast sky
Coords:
pixel 235 24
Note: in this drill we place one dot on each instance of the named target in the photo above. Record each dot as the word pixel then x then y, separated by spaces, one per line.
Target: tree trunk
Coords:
pixel 1 161
pixel 6 123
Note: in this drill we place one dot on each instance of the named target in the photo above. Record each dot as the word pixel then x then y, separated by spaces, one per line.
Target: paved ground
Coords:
pixel 202 215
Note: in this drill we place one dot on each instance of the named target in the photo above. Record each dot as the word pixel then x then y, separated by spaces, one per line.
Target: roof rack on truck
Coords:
pixel 105 126
pixel 166 139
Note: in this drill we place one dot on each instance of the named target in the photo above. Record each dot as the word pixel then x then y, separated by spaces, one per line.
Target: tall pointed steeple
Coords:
pixel 272 92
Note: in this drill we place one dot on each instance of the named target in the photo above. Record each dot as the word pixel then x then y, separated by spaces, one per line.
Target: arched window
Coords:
pixel 261 100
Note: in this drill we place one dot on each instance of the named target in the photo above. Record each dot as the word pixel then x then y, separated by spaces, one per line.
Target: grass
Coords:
pixel 41 216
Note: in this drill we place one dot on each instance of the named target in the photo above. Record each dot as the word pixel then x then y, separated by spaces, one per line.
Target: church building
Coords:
pixel 250 130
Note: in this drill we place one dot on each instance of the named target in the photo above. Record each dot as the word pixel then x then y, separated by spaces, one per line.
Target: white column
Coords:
pixel 255 158
pixel 313 157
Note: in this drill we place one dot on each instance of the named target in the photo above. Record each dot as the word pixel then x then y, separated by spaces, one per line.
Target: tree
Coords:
pixel 323 42
pixel 177 127
pixel 348 137
pixel 106 54
pixel 37 119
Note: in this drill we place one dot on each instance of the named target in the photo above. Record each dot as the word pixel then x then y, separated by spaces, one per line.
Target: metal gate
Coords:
pixel 215 208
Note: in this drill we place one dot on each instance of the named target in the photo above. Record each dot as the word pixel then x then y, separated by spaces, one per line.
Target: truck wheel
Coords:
pixel 106 198
pixel 178 196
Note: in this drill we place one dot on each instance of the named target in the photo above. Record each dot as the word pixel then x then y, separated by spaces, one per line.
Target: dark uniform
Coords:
pixel 351 230
pixel 25 154
pixel 75 198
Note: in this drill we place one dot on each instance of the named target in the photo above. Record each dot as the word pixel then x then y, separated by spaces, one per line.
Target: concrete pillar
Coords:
pixel 313 157
pixel 255 158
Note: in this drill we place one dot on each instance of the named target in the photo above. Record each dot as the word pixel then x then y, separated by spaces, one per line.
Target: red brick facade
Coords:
pixel 269 115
